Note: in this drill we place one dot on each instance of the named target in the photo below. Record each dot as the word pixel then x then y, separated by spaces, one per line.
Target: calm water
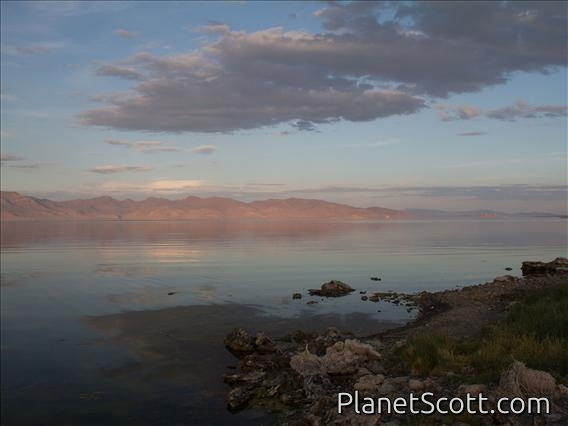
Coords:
pixel 122 322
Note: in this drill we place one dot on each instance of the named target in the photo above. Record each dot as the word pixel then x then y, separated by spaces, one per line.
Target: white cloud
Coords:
pixel 204 149
pixel 144 146
pixel 32 48
pixel 111 169
pixel 166 186
pixel 8 157
pixel 121 32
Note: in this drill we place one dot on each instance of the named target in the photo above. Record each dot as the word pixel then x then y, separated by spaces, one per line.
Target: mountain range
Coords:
pixel 14 206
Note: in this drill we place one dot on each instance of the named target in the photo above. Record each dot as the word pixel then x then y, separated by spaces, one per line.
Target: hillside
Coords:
pixel 15 206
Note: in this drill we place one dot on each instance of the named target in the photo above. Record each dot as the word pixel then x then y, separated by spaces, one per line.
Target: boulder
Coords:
pixel 415 385
pixel 557 266
pixel 369 383
pixel 333 288
pixel 239 342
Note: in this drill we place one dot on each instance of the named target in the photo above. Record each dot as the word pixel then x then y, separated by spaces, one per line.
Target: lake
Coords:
pixel 118 323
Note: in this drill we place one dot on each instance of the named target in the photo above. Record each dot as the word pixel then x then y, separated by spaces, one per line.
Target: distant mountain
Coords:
pixel 14 206
pixel 473 214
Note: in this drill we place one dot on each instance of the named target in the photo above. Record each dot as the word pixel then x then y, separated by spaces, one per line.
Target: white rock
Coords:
pixel 415 385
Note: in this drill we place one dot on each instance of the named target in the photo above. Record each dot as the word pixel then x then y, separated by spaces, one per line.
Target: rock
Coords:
pixel 237 398
pixel 252 378
pixel 264 344
pixel 521 381
pixel 306 363
pixel 473 390
pixel 297 296
pixel 369 383
pixel 341 358
pixel 508 269
pixel 256 362
pixel 415 385
pixel 374 298
pixel 504 279
pixel 375 279
pixel 239 342
pixel 402 380
pixel 552 419
pixel 557 266
pixel 333 288
pixel 386 389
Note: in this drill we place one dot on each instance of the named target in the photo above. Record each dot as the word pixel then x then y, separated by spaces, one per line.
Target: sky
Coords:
pixel 454 106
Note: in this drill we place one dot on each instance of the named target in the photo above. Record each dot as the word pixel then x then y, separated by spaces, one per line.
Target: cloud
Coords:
pixel 111 169
pixel 7 97
pixel 118 143
pixel 121 32
pixel 11 159
pixel 174 185
pixel 204 149
pixel 8 157
pixel 379 144
pixel 372 60
pixel 523 110
pixel 69 8
pixel 24 166
pixel 472 133
pixel 32 48
pixel 520 109
pixel 127 73
pixel 265 184
pixel 162 185
pixel 520 192
pixel 304 125
pixel 144 146
pixel 498 162
pixel 5 135
pixel 459 112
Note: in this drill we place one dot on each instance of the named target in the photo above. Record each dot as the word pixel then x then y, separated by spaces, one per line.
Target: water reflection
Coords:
pixel 160 296
pixel 25 234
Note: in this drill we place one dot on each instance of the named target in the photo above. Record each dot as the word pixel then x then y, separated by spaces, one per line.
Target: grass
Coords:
pixel 535 332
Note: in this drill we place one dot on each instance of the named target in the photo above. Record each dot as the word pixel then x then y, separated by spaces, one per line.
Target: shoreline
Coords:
pixel 298 376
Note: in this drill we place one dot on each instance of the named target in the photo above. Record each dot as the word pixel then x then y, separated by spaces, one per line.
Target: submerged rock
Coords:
pixel 333 288
pixel 297 296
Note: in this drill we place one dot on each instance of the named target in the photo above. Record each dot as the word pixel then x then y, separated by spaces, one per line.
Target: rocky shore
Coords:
pixel 443 351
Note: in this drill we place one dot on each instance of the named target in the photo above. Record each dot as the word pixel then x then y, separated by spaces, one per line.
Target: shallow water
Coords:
pixel 92 334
